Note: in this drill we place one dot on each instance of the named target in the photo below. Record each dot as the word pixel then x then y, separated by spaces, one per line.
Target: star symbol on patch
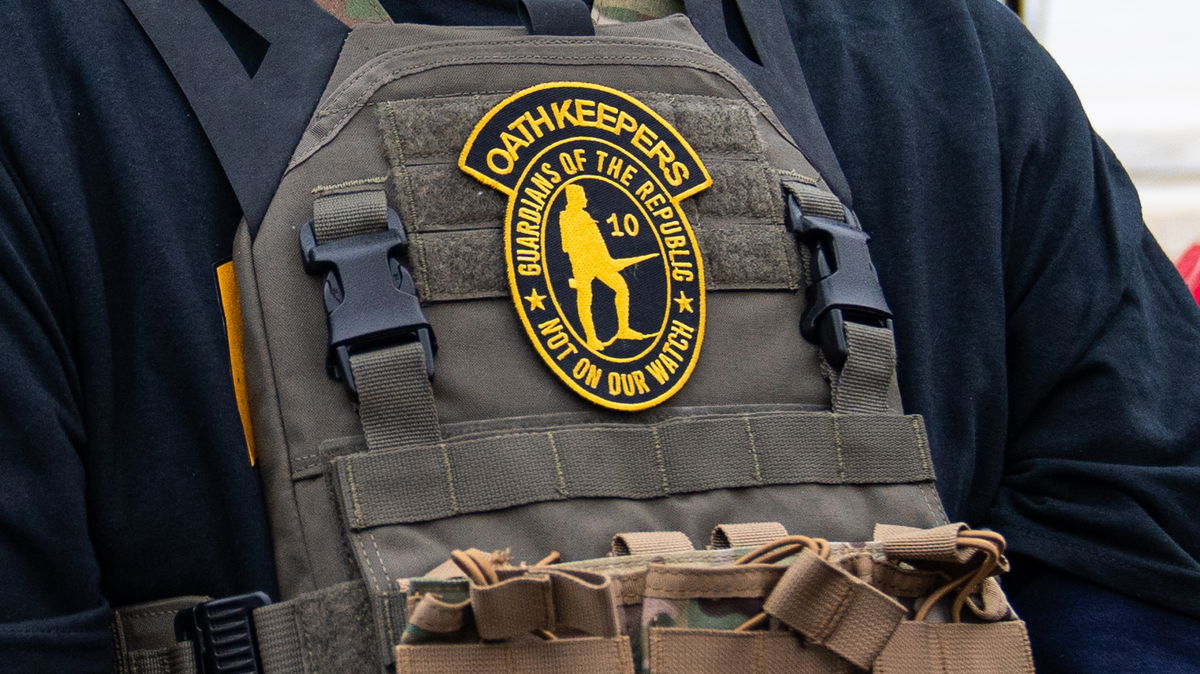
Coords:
pixel 684 302
pixel 535 300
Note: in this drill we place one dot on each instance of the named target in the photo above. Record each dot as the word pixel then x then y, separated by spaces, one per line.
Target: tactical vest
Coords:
pixel 522 290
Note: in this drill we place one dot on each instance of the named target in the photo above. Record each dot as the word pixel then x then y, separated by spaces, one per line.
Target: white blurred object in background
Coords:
pixel 1136 66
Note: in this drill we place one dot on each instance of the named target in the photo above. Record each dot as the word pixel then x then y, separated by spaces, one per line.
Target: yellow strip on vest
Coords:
pixel 232 308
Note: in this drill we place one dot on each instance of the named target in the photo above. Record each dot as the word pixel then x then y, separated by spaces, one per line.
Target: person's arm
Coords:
pixel 52 614
pixel 1102 473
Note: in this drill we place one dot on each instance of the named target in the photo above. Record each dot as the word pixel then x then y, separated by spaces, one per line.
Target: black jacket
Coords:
pixel 1050 345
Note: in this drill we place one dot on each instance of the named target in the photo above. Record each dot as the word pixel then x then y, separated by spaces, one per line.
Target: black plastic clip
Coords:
pixel 222 634
pixel 370 298
pixel 845 287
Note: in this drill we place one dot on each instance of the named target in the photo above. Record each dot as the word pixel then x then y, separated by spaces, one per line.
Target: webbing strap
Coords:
pixel 864 383
pixel 939 544
pixel 746 534
pixel 678 455
pixel 741 581
pixel 958 648
pixel 177 659
pixel 556 17
pixel 513 607
pixel 651 543
pixel 349 214
pixel 395 397
pixel 832 608
pixel 816 201
pixel 586 602
pixel 546 599
pixel 589 655
pixel 329 630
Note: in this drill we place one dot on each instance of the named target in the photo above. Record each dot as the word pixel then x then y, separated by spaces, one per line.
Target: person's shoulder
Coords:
pixel 53 50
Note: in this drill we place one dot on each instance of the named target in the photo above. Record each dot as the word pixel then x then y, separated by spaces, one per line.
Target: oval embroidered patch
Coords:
pixel 603 266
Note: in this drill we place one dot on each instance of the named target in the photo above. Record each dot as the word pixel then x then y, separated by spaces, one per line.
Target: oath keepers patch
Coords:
pixel 603 266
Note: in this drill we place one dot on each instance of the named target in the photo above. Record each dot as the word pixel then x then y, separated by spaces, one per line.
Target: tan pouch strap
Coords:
pixel 993 604
pixel 745 535
pixel 586 602
pixel 897 581
pixel 513 607
pixel 833 609
pixel 957 648
pixel 431 614
pixel 546 599
pixel 651 543
pixel 749 581
pixel 590 655
pixel 939 544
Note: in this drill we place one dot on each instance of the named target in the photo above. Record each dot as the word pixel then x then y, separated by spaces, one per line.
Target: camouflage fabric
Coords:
pixel 449 591
pixel 696 613
pixel 606 12
pixel 648 601
pixel 354 12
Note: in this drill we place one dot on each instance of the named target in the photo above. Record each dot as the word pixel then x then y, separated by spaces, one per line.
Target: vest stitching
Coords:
pixel 753 450
pixel 558 468
pixel 661 461
pixel 837 444
pixel 449 478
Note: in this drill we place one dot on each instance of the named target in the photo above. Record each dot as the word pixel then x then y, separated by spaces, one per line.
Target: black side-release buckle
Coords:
pixel 845 287
pixel 222 634
pixel 370 298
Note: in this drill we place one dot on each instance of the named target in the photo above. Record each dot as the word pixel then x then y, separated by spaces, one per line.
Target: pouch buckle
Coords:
pixel 845 286
pixel 222 634
pixel 370 298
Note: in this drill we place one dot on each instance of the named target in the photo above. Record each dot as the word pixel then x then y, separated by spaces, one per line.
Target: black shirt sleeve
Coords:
pixel 124 475
pixel 1102 473
pixel 1050 346
pixel 51 598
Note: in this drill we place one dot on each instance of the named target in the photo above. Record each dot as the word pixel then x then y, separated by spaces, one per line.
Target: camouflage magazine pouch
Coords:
pixel 914 600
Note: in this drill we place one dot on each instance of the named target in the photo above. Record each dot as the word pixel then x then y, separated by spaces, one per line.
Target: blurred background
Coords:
pixel 1136 67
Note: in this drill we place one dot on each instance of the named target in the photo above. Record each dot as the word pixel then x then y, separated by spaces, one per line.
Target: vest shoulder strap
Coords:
pixel 255 101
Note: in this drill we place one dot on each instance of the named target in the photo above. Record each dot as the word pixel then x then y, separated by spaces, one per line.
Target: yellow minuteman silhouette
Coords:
pixel 590 261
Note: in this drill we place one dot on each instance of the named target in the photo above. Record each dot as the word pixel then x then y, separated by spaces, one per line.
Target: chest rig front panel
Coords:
pixel 501 448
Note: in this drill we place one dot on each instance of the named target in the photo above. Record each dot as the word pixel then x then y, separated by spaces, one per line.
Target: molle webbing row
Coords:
pixel 681 455
pixel 330 630
pixel 457 223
